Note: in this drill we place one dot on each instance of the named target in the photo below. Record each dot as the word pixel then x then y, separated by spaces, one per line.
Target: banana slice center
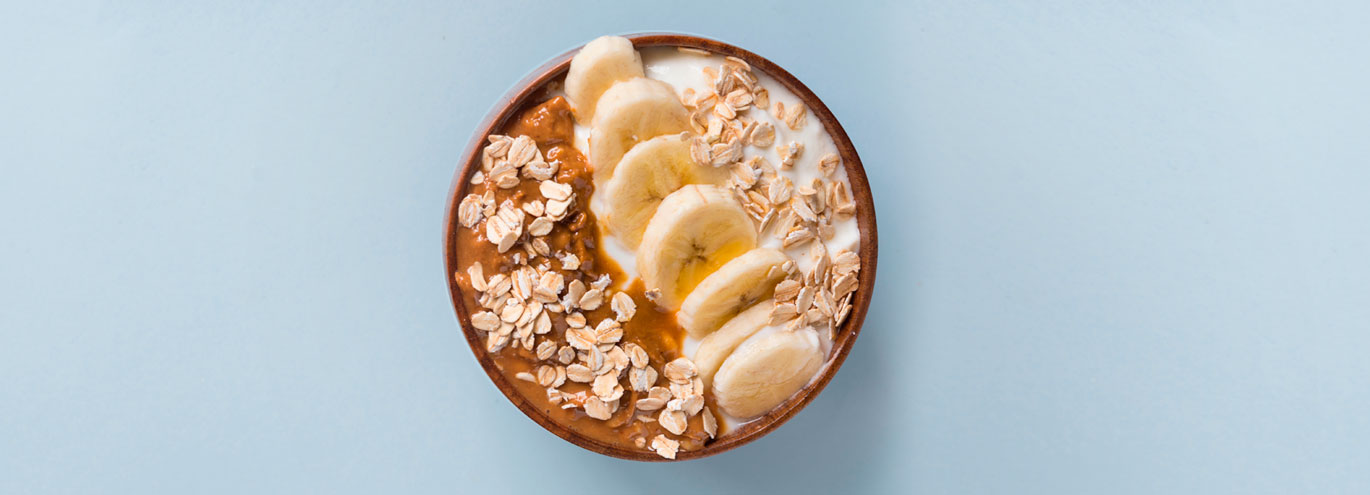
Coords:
pixel 701 262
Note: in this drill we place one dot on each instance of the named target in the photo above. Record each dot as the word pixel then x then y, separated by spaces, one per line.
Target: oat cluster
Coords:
pixel 506 162
pixel 822 296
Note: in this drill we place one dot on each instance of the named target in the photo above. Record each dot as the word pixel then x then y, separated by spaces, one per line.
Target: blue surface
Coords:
pixel 1124 248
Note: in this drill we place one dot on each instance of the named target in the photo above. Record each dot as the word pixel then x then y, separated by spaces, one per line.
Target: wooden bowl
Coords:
pixel 846 336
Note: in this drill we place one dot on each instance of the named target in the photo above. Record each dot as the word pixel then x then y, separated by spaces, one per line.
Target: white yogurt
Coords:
pixel 685 70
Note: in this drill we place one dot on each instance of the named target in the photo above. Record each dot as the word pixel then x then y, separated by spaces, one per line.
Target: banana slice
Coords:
pixel 628 113
pixel 766 370
pixel 694 231
pixel 596 67
pixel 735 286
pixel 718 345
pixel 649 172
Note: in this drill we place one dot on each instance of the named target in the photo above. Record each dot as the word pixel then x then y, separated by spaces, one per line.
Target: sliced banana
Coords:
pixel 766 370
pixel 649 172
pixel 694 231
pixel 736 285
pixel 628 113
pixel 717 346
pixel 596 67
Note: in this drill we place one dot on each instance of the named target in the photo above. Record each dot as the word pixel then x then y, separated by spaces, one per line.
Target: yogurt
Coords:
pixel 685 72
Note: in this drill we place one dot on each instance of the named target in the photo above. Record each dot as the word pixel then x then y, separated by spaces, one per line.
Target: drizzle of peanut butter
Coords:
pixel 551 125
pixel 547 124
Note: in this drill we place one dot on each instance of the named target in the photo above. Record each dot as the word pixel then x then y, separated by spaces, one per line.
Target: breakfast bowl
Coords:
pixel 660 246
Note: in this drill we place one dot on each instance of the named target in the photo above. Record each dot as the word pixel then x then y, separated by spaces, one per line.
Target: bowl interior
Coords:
pixel 532 87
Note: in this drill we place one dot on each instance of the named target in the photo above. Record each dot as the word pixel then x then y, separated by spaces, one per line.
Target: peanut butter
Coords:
pixel 550 125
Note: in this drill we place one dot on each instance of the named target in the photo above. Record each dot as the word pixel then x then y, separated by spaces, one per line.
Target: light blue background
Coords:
pixel 1124 248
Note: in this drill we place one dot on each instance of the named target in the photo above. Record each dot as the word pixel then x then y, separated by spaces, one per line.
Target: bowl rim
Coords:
pixel 530 86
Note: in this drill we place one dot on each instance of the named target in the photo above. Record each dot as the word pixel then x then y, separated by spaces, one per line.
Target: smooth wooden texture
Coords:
pixel 555 69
